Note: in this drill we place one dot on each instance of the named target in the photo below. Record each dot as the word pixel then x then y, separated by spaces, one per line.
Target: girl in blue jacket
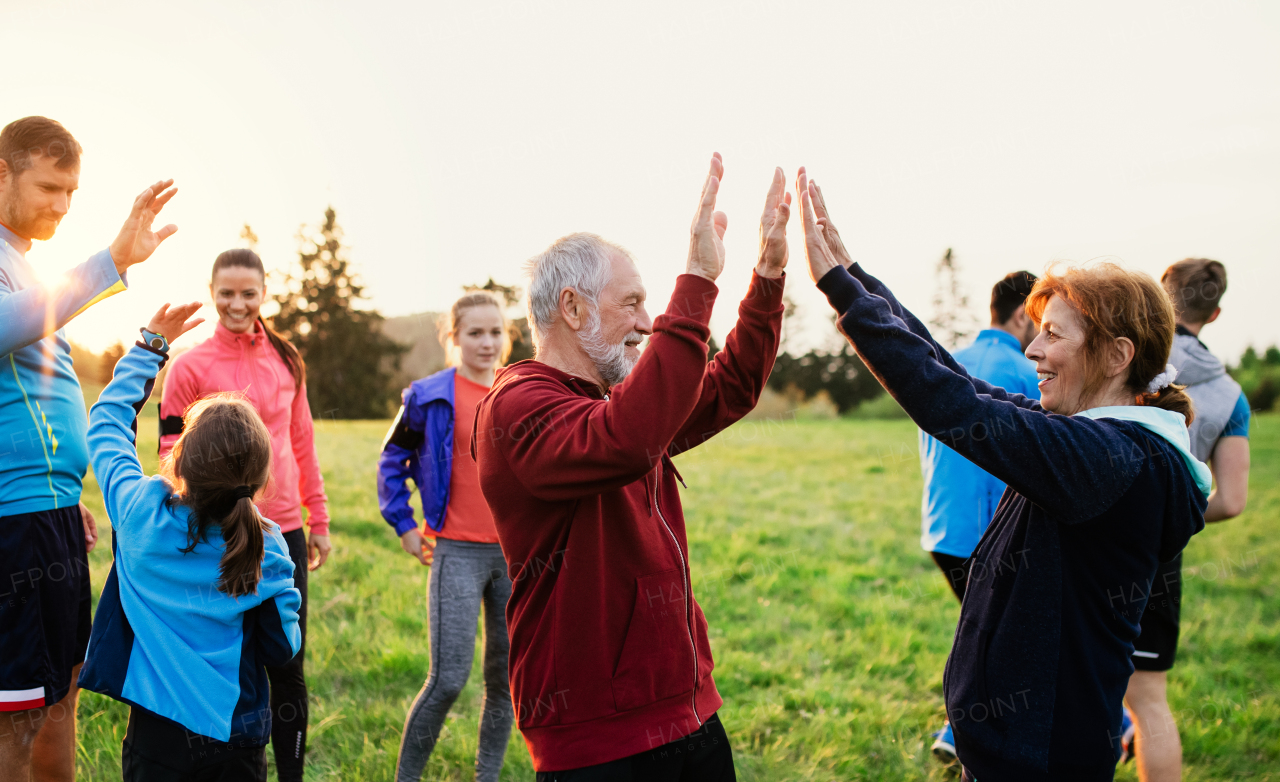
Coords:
pixel 200 597
pixel 430 443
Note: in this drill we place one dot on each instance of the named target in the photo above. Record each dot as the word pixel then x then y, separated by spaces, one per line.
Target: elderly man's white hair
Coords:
pixel 580 261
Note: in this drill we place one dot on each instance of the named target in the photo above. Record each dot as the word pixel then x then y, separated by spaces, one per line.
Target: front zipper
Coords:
pixel 688 587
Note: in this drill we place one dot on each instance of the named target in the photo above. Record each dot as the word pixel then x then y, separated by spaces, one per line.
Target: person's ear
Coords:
pixel 572 309
pixel 1216 312
pixel 1120 356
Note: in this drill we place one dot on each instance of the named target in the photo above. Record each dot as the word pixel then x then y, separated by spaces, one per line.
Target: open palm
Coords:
pixel 136 241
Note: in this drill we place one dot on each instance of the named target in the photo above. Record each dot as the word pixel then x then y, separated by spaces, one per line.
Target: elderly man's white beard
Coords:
pixel 611 361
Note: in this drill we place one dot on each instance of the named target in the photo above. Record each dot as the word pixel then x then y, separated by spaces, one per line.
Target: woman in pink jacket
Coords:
pixel 246 356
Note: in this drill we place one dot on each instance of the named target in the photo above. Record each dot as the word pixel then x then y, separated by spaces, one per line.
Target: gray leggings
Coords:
pixel 463 576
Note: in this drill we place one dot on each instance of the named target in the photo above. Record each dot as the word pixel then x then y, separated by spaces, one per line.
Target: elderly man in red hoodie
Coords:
pixel 610 663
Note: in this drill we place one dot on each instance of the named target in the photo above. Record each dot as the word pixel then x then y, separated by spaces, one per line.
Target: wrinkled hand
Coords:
pixel 172 323
pixel 817 249
pixel 136 240
pixel 90 528
pixel 706 245
pixel 773 228
pixel 318 549
pixel 414 543
pixel 828 228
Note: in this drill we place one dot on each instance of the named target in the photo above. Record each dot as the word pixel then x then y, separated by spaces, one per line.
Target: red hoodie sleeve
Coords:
pixel 563 446
pixel 310 483
pixel 736 377
pixel 181 388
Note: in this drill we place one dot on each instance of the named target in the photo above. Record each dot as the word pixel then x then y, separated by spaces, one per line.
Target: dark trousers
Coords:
pixel 955 569
pixel 702 756
pixel 288 685
pixel 159 750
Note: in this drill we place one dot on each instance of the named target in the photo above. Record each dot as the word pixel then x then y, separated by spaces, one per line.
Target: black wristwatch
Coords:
pixel 154 341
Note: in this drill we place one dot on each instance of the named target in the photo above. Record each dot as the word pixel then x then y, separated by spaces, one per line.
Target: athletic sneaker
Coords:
pixel 944 745
pixel 1127 732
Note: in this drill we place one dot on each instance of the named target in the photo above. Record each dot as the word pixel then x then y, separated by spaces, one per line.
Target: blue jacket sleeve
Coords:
pixel 113 430
pixel 33 313
pixel 278 635
pixel 396 465
pixel 1073 468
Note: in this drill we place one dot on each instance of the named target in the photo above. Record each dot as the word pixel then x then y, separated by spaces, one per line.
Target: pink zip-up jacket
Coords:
pixel 247 363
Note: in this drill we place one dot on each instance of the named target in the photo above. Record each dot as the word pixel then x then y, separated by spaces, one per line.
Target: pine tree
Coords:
pixel 952 321
pixel 351 364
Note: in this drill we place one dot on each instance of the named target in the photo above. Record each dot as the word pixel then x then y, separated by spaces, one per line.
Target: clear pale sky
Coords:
pixel 456 140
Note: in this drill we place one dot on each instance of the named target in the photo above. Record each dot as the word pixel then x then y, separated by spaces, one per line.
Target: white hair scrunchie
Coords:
pixel 1163 379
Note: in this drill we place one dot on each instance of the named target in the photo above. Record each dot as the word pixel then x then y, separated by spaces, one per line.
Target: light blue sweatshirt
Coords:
pixel 43 454
pixel 164 637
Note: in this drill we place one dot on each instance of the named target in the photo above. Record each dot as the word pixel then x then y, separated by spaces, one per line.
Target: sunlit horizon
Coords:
pixel 454 142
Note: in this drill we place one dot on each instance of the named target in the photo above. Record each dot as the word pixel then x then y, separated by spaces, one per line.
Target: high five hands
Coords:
pixel 136 241
pixel 706 237
pixel 822 244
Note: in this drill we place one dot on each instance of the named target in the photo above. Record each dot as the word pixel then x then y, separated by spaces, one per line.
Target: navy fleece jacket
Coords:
pixel 1040 661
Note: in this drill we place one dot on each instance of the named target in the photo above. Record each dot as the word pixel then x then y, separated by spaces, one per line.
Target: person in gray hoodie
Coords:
pixel 1220 437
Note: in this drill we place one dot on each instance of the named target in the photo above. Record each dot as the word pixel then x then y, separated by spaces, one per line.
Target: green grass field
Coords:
pixel 829 625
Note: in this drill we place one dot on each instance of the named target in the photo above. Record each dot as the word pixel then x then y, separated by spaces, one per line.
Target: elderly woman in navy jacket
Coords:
pixel 430 442
pixel 1102 488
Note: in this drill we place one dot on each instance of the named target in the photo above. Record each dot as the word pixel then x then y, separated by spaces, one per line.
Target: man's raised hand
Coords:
pixel 706 245
pixel 816 247
pixel 773 228
pixel 172 322
pixel 829 232
pixel 136 240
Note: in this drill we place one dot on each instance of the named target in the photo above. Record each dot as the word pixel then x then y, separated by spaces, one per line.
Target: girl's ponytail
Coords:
pixel 241 566
pixel 222 460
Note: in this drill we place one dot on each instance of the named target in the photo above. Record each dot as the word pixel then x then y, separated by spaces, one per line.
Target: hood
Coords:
pixel 1167 424
pixel 1194 361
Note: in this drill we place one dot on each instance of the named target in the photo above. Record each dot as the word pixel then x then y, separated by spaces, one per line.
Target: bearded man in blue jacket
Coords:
pixel 45 531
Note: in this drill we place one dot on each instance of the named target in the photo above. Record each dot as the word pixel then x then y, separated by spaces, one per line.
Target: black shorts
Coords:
pixel 1157 645
pixel 159 750
pixel 44 606
pixel 704 755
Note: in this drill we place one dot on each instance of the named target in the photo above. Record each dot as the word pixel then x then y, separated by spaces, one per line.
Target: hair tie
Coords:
pixel 244 492
pixel 1163 379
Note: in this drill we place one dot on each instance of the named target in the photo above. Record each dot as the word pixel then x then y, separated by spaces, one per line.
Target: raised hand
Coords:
pixel 136 240
pixel 706 245
pixel 773 228
pixel 172 323
pixel 816 248
pixel 828 228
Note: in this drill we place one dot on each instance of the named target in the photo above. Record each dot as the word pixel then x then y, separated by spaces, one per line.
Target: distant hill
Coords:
pixel 426 354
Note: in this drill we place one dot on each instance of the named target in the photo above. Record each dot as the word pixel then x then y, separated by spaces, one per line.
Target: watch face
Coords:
pixel 157 343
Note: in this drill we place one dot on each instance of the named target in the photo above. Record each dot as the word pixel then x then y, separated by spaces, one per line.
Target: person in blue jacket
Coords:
pixel 1103 487
pixel 200 597
pixel 430 444
pixel 959 498
pixel 45 530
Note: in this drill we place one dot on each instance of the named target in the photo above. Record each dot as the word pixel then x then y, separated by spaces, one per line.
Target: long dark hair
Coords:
pixel 224 447
pixel 248 259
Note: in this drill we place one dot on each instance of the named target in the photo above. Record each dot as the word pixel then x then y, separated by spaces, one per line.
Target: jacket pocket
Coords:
pixel 657 655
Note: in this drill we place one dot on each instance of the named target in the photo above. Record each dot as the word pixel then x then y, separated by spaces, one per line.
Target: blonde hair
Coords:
pixel 449 322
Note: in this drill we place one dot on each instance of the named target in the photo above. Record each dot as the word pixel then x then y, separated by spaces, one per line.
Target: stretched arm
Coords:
pixel 737 375
pixel 1044 457
pixel 1230 465
pixel 113 420
pixel 30 314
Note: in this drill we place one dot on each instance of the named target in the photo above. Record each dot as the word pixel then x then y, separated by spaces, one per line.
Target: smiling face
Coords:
pixel 479 337
pixel 34 202
pixel 1060 357
pixel 237 295
pixel 612 334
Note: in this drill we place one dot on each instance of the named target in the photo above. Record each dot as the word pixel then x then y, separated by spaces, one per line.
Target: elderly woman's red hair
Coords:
pixel 1116 303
